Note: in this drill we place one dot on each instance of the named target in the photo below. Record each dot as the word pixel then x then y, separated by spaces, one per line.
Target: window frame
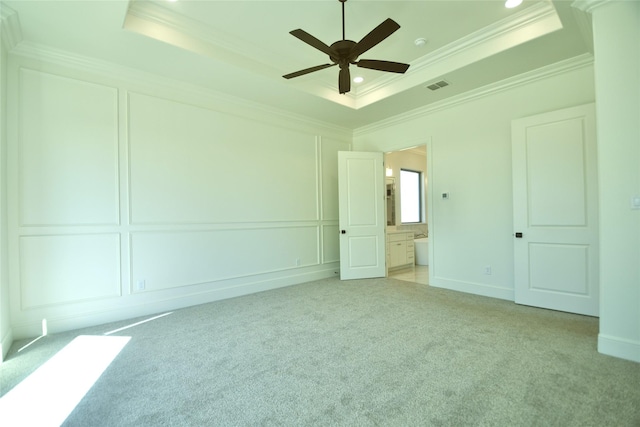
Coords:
pixel 420 196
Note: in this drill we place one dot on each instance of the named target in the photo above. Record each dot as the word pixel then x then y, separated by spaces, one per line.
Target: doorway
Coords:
pixel 410 160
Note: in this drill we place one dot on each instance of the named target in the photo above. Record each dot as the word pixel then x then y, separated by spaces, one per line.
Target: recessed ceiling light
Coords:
pixel 420 41
pixel 358 79
pixel 512 3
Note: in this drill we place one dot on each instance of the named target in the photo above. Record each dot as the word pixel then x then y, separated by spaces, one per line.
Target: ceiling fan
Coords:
pixel 345 52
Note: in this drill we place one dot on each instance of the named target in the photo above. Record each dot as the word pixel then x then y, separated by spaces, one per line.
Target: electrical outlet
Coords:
pixel 140 285
pixel 487 269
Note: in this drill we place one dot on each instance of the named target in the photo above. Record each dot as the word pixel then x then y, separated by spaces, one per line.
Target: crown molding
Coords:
pixel 589 5
pixel 135 80
pixel 535 21
pixel 145 17
pixel 585 26
pixel 10 31
pixel 476 40
pixel 558 68
pixel 161 23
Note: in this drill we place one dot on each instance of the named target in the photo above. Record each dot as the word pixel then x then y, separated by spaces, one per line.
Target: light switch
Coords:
pixel 445 196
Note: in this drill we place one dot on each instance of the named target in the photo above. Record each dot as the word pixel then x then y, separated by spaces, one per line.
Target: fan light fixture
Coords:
pixel 510 4
pixel 358 79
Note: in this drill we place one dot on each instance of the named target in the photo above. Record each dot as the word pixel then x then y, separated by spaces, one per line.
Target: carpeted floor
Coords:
pixel 355 353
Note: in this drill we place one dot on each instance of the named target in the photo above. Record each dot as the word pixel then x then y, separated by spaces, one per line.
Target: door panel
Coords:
pixel 553 151
pixel 559 268
pixel 362 222
pixel 555 210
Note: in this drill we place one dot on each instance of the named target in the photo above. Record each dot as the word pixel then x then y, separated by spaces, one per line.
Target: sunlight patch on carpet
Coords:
pixel 49 395
pixel 138 323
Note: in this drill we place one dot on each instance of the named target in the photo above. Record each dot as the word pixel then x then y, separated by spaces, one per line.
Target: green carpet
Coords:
pixel 355 353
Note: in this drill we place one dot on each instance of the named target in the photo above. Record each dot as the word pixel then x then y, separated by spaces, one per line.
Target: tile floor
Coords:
pixel 418 274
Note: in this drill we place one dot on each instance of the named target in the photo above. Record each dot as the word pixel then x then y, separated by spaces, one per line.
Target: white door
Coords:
pixel 555 210
pixel 362 221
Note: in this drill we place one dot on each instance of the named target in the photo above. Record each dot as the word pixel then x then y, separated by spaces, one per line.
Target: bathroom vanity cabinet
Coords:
pixel 400 250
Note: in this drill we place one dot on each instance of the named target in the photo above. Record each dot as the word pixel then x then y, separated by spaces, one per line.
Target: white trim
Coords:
pixel 218 43
pixel 533 22
pixel 619 347
pixel 475 40
pixel 561 67
pixel 162 24
pixel 58 324
pixel 481 289
pixel 583 19
pixel 5 345
pixel 10 31
pixel 588 5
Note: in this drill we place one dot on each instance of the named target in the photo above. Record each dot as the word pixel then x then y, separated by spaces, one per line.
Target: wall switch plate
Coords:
pixel 140 285
pixel 635 202
pixel 487 269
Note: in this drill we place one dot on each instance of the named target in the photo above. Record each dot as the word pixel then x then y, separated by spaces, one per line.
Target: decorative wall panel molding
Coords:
pixel 171 259
pixel 68 168
pixel 65 269
pixel 191 165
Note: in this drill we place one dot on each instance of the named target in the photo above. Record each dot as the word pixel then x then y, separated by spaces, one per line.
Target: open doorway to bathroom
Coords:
pixel 407 221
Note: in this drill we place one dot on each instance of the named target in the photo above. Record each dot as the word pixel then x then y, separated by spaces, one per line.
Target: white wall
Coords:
pixel 469 157
pixel 118 181
pixel 616 27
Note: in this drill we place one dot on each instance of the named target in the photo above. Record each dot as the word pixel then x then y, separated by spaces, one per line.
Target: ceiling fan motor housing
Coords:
pixel 342 49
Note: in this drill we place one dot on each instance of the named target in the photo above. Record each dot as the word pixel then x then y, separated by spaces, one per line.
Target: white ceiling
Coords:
pixel 242 48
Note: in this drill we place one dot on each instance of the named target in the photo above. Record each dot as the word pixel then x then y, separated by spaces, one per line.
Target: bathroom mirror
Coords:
pixel 391 201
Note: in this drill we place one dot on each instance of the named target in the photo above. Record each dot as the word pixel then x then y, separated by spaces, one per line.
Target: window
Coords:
pixel 410 196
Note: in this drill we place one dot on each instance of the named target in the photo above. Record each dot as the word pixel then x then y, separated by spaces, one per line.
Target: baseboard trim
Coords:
pixel 619 347
pixel 473 288
pixel 78 321
pixel 5 344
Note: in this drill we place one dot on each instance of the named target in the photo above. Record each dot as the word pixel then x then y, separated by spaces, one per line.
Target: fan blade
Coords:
pixel 389 66
pixel 344 80
pixel 381 32
pixel 307 71
pixel 312 41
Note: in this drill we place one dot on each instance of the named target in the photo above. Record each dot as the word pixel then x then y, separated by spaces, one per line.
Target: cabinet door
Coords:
pixel 398 252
